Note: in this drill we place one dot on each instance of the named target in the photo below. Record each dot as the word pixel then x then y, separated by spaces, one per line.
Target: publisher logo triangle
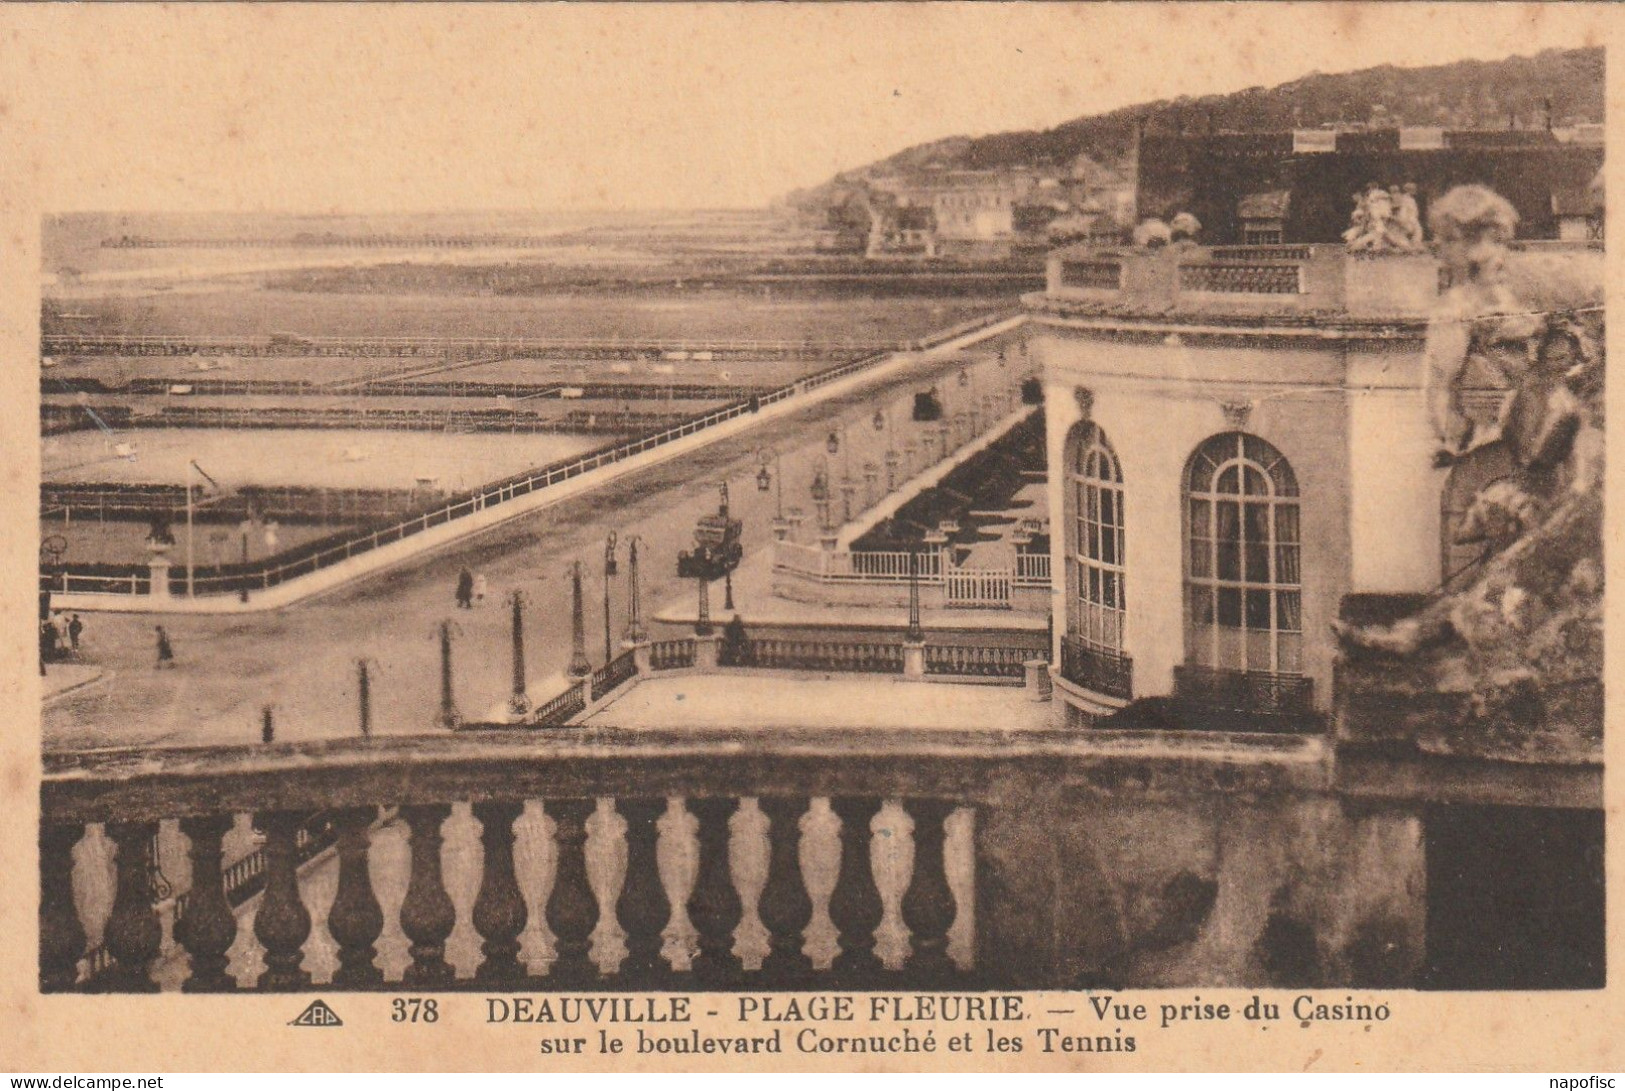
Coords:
pixel 318 1015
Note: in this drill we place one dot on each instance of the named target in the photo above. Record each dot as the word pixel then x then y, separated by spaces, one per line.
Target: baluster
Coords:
pixel 61 936
pixel 133 935
pixel 427 912
pixel 854 904
pixel 356 920
pixel 643 909
pixel 499 908
pixel 785 908
pixel 572 908
pixel 714 905
pixel 283 923
pixel 208 927
pixel 928 904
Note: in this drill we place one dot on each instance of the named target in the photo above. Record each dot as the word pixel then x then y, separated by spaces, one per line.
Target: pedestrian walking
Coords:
pixel 75 629
pixel 166 654
pixel 465 589
pixel 480 587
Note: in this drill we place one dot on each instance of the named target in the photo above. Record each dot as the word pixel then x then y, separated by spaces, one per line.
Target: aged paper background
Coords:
pixel 77 133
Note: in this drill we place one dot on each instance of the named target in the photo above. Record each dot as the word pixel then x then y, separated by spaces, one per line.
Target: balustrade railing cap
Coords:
pixel 93 786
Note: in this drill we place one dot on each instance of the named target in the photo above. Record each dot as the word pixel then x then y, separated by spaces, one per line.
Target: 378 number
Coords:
pixel 414 1009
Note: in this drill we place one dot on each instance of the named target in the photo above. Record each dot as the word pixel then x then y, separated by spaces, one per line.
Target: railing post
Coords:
pixel 572 908
pixel 928 903
pixel 786 908
pixel 208 927
pixel 643 909
pixel 706 649
pixel 283 923
pixel 355 920
pixel 714 905
pixel 427 913
pixel 61 936
pixel 1037 679
pixel 499 909
pixel 854 905
pixel 133 935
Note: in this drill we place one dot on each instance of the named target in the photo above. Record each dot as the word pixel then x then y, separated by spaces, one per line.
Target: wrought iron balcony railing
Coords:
pixel 1273 702
pixel 1110 674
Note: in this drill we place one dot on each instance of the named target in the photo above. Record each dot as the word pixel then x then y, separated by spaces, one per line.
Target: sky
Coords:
pixel 380 108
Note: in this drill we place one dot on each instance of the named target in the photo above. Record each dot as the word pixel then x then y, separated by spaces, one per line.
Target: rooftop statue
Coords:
pixel 1152 233
pixel 1386 220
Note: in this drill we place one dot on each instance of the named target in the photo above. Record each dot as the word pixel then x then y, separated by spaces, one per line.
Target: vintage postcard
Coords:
pixel 808 537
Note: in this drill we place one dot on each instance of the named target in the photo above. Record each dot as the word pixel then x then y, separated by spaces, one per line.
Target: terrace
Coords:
pixel 674 821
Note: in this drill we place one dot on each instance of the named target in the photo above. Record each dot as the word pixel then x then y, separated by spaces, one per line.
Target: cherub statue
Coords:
pixel 1152 233
pixel 1376 208
pixel 1184 228
pixel 1406 226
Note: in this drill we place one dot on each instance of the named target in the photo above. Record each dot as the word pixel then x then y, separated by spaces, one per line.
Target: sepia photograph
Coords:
pixel 712 512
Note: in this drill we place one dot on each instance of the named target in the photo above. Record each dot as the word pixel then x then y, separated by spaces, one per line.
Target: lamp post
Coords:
pixel 702 621
pixel 579 665
pixel 519 699
pixel 242 591
pixel 820 493
pixel 634 605
pixel 611 568
pixel 915 633
pixel 774 478
pixel 363 689
pixel 449 716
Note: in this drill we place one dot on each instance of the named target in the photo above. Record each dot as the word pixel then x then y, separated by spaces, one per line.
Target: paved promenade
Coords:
pixel 301 660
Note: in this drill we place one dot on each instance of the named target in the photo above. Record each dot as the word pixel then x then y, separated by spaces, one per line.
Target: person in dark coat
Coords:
pixel 465 589
pixel 166 654
pixel 75 628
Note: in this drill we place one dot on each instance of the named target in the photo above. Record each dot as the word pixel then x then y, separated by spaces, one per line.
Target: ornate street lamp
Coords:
pixel 820 493
pixel 449 718
pixel 579 667
pixel 611 569
pixel 916 632
pixel 519 699
pixel 634 604
pixel 766 479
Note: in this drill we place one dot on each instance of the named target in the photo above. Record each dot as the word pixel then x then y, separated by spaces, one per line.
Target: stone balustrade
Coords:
pixel 1004 883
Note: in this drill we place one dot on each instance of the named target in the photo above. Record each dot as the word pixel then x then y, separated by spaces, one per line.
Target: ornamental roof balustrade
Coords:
pixel 1291 282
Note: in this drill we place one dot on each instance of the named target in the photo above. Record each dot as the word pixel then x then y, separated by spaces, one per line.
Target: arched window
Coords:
pixel 1097 543
pixel 1243 590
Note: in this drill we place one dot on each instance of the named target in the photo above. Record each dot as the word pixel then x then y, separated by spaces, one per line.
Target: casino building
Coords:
pixel 1238 441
